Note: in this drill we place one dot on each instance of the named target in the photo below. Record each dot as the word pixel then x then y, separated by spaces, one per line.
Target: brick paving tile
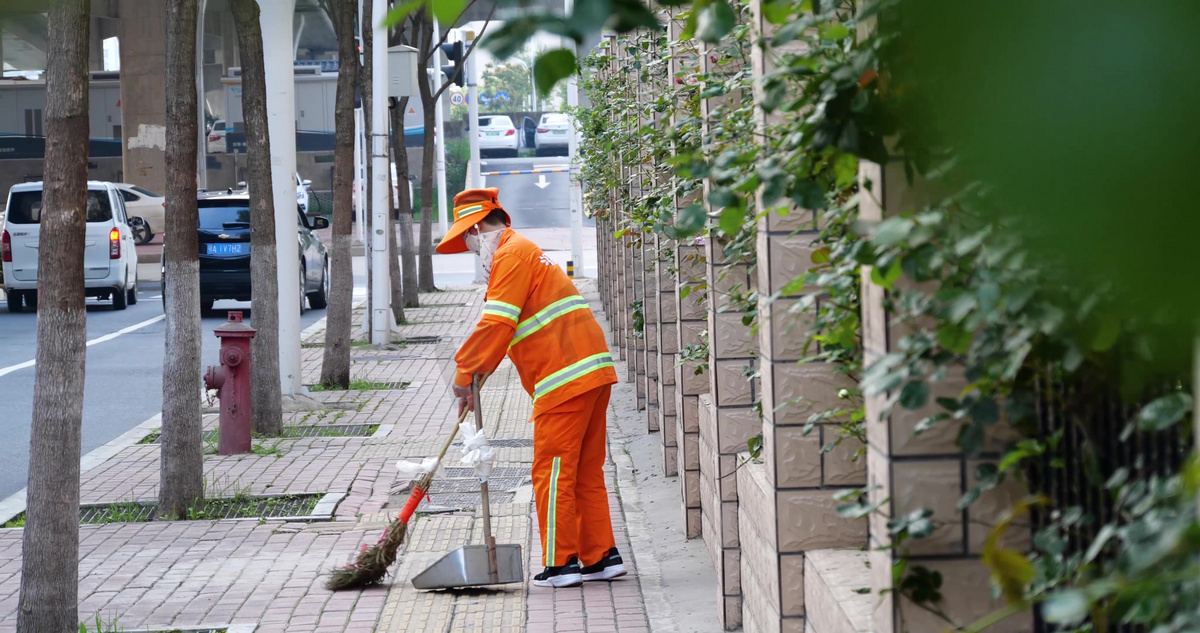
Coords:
pixel 271 573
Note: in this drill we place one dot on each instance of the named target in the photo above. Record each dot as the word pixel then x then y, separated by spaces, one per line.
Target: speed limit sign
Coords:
pixel 456 98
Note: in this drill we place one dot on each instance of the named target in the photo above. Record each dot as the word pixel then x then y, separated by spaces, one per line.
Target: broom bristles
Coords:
pixel 372 563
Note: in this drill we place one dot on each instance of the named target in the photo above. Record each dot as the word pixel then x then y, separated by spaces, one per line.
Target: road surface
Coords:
pixel 528 202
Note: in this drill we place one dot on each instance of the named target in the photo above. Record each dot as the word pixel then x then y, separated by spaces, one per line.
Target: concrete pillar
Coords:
pixel 728 418
pixel 786 498
pixel 143 37
pixel 908 472
pixel 96 44
pixel 276 19
pixel 690 380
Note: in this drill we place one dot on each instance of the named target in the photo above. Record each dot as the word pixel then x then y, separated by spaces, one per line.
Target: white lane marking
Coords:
pixel 100 339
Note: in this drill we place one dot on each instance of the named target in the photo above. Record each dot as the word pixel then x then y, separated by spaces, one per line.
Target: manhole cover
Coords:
pixel 472 485
pixel 497 473
pixel 239 507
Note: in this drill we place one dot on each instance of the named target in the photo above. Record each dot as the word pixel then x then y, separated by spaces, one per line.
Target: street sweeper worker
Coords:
pixel 533 313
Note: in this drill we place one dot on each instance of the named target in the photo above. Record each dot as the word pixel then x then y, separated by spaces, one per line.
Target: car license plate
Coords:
pixel 232 248
pixel 493 134
pixel 560 131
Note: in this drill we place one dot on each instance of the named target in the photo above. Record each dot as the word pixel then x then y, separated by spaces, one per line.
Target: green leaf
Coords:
pixel 954 337
pixel 792 287
pixel 886 277
pixel 1012 571
pixel 447 11
pixel 731 219
pixel 776 11
pixel 1164 412
pixel 690 220
pixel 552 66
pixel 892 230
pixel 1110 331
pixel 914 395
pixel 754 445
pixel 629 15
pixel 587 15
pixel 715 21
pixel 820 256
pixel 722 197
pixel 684 291
pixel 397 14
pixel 1066 607
pixel 835 32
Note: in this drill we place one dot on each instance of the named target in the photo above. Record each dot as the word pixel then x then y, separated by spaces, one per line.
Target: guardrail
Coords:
pixel 514 172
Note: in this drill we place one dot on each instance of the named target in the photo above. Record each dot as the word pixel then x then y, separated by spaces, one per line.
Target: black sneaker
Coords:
pixel 565 576
pixel 609 567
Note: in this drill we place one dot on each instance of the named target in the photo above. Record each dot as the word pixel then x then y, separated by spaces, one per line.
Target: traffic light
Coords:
pixel 456 71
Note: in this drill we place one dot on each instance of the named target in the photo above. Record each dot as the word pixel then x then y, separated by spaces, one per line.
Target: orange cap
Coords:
pixel 470 208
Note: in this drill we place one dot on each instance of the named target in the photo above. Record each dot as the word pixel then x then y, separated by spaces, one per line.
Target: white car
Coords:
pixel 302 193
pixel 553 134
pixel 216 137
pixel 497 135
pixel 147 205
pixel 109 258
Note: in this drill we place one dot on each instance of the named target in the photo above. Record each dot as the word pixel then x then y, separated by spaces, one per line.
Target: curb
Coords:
pixel 14 504
pixel 649 572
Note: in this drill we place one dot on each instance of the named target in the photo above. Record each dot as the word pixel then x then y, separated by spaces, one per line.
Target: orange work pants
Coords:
pixel 568 479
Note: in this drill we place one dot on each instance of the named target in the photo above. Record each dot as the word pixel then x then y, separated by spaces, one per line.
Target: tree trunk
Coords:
pixel 266 408
pixel 182 463
pixel 407 246
pixel 366 31
pixel 395 282
pixel 425 251
pixel 335 368
pixel 50 553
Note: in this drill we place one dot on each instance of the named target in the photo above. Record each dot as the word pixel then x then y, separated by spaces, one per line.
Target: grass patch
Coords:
pixel 359 384
pixel 240 506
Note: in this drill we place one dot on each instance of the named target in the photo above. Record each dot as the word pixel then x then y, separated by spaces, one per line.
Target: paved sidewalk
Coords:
pixel 269 572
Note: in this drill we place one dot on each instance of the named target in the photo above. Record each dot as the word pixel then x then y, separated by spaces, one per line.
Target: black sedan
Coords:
pixel 224 236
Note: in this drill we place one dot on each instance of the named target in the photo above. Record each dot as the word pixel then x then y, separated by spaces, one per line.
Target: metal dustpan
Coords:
pixel 476 565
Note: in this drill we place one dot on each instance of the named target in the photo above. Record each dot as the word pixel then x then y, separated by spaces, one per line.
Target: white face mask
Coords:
pixel 472 240
pixel 487 245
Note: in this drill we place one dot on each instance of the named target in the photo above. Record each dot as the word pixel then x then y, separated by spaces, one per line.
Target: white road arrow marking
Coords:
pixel 541 183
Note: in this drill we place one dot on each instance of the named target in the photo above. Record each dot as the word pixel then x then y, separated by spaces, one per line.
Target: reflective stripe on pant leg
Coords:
pixel 552 515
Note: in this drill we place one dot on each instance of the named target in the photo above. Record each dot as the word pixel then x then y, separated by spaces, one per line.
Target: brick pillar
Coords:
pixel 727 414
pixel 908 472
pixel 785 499
pixel 668 347
pixel 692 309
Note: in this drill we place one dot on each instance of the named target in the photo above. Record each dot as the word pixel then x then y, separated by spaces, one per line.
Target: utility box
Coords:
pixel 402 72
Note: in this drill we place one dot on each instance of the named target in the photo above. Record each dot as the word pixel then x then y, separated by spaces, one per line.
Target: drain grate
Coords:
pixel 459 501
pixel 420 340
pixel 507 443
pixel 296 431
pixel 240 507
pixel 502 473
pixel 365 357
pixel 362 385
pixel 442 486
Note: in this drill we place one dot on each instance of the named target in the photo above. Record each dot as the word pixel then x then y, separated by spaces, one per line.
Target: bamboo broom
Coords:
pixel 372 563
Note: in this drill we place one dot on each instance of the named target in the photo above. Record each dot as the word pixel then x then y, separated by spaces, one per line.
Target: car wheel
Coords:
pixel 131 295
pixel 16 301
pixel 31 299
pixel 303 272
pixel 141 231
pixel 120 300
pixel 320 299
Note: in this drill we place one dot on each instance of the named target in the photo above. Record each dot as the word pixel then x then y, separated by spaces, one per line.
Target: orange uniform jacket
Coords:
pixel 535 314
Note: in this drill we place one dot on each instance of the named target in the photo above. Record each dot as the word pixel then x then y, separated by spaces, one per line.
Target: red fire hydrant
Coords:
pixel 232 382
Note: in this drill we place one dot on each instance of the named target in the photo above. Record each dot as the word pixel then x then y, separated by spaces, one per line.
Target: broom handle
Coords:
pixel 422 484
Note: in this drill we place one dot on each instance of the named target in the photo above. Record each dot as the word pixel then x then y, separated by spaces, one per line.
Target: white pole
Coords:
pixel 202 148
pixel 276 20
pixel 360 206
pixel 473 116
pixel 576 190
pixel 380 222
pixel 439 139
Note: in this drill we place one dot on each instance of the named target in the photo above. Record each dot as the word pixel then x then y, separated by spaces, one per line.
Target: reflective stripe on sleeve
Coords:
pixel 501 309
pixel 571 372
pixel 548 314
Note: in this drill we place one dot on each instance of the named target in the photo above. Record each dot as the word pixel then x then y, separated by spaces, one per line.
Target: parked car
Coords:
pixel 147 205
pixel 497 136
pixel 216 137
pixel 302 193
pixel 109 259
pixel 553 134
pixel 224 236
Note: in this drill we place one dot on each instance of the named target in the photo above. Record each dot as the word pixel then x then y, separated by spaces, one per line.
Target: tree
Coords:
pixel 182 463
pixel 401 34
pixel 511 79
pixel 335 366
pixel 266 407
pixel 50 550
pixel 423 29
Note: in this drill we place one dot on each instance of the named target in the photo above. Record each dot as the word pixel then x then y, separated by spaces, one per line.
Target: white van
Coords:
pixel 109 258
